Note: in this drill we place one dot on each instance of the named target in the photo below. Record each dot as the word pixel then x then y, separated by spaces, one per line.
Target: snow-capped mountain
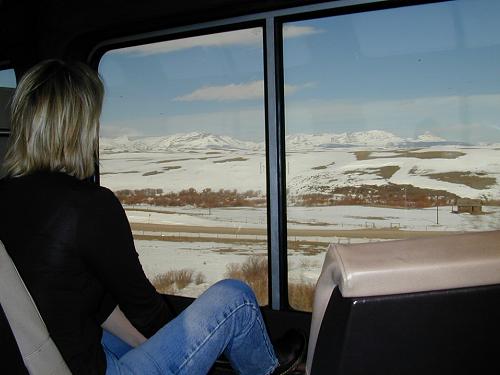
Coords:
pixel 429 137
pixel 204 141
pixel 176 142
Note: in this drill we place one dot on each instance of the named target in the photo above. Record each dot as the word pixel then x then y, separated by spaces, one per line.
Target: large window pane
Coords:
pixel 392 128
pixel 182 146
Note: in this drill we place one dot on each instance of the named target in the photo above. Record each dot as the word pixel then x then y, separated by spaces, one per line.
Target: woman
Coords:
pixel 73 247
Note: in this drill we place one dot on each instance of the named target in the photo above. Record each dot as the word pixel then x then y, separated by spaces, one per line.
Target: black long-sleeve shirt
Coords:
pixel 73 247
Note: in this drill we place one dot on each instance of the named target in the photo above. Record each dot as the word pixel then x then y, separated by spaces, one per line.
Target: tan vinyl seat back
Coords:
pixel 394 268
pixel 40 355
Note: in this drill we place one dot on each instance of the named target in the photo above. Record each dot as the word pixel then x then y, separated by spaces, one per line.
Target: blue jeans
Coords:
pixel 225 319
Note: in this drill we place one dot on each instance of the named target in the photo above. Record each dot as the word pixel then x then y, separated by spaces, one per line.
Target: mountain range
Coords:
pixel 207 141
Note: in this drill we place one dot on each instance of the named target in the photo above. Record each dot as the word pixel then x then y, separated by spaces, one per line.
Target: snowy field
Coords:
pixel 322 218
pixel 205 161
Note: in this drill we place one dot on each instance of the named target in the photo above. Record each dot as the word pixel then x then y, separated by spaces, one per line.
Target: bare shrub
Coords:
pixel 254 272
pixel 165 282
pixel 233 271
pixel 200 278
pixel 183 278
pixel 301 295
pixel 207 198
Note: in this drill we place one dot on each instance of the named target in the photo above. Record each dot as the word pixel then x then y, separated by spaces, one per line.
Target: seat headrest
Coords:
pixel 416 265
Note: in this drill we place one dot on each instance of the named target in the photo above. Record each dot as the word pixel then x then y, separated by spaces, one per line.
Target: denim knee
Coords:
pixel 234 290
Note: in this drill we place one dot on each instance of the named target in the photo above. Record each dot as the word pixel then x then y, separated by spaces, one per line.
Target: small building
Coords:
pixel 467 205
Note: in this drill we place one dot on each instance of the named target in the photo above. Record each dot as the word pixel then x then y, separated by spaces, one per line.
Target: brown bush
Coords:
pixel 204 199
pixel 164 283
pixel 183 278
pixel 200 278
pixel 254 272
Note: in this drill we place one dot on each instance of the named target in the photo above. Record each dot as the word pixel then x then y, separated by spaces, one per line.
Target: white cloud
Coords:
pixel 291 31
pixel 240 91
pixel 237 37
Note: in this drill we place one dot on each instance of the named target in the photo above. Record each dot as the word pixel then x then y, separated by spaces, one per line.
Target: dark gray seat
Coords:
pixel 425 306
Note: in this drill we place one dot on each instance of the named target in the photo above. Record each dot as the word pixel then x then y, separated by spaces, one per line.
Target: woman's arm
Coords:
pixel 120 326
pixel 107 248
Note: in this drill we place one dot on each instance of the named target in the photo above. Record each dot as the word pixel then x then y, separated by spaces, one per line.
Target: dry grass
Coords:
pixel 473 180
pixel 362 155
pixel 183 278
pixel 254 272
pixel 301 296
pixel 200 278
pixel 165 282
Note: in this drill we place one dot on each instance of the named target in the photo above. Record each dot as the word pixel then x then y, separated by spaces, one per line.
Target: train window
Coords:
pixel 182 145
pixel 7 85
pixel 7 78
pixel 393 132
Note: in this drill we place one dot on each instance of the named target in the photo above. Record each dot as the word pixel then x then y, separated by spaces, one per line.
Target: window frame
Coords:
pixel 272 24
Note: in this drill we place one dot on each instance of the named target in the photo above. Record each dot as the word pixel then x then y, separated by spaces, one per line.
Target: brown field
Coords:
pixel 171 167
pixel 473 180
pixel 384 172
pixel 173 160
pixel 366 155
pixel 230 160
pixel 320 167
pixel 152 173
pixel 102 174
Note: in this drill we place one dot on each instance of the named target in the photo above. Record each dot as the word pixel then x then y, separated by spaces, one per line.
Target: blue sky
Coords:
pixel 407 70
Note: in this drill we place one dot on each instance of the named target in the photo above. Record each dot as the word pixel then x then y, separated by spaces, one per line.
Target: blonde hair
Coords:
pixel 55 115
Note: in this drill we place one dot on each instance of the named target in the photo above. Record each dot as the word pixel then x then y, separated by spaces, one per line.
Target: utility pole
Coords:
pixel 437 209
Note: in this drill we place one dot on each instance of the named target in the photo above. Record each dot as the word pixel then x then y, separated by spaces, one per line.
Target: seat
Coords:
pixel 34 345
pixel 418 306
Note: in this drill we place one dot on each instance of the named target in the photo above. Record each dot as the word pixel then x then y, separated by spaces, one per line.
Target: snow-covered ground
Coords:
pixel 315 163
pixel 322 218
